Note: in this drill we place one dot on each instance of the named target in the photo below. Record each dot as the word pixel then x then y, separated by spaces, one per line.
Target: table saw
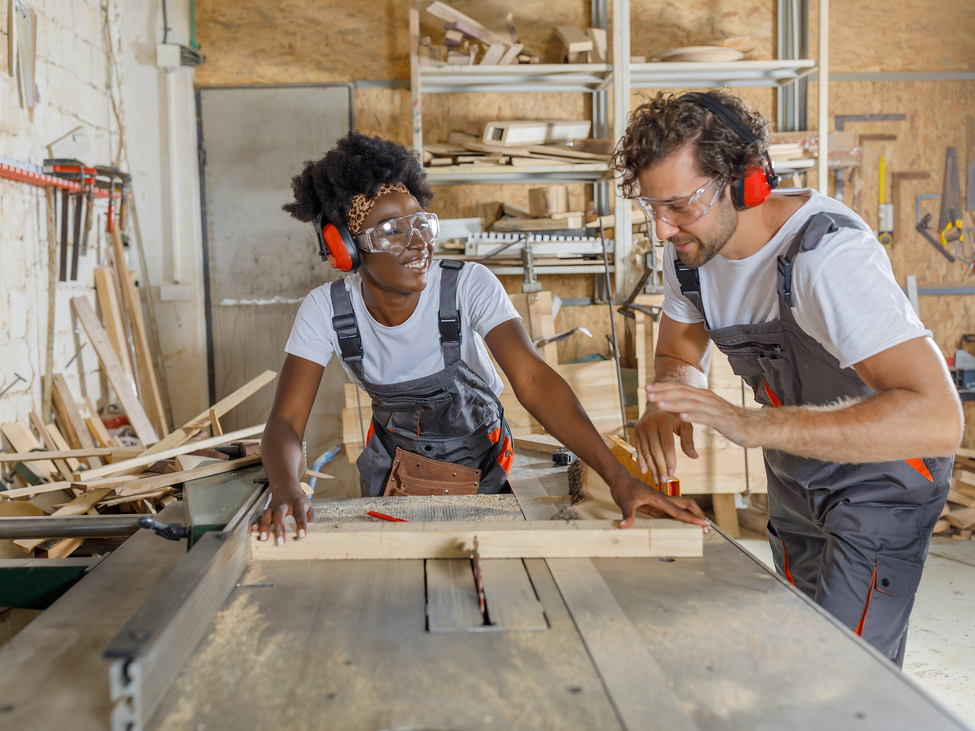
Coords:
pixel 197 634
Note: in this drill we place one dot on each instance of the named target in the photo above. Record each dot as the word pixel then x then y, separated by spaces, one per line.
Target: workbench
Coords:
pixel 160 638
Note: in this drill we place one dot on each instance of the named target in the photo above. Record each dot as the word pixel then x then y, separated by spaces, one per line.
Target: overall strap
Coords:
pixel 344 324
pixel 690 286
pixel 808 238
pixel 449 316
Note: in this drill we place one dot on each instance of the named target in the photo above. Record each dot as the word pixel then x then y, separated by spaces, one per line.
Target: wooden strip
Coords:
pixel 452 604
pixel 533 498
pixel 63 453
pixel 162 492
pixel 63 549
pixel 75 430
pixel 96 425
pixel 510 598
pixel 634 682
pixel 149 394
pixel 147 484
pixel 106 288
pixel 230 401
pixel 147 459
pixel 534 539
pixel 124 387
pixel 79 506
pixel 23 440
pixel 51 444
pixel 20 492
pixel 544 443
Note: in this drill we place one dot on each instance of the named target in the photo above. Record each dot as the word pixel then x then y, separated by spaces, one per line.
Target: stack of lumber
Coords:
pixel 544 143
pixel 73 466
pixel 958 516
pixel 466 42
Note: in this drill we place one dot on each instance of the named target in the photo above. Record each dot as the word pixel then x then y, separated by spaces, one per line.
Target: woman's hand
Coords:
pixel 285 501
pixel 630 494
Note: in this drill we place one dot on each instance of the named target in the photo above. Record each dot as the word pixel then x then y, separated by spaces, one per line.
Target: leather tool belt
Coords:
pixel 413 474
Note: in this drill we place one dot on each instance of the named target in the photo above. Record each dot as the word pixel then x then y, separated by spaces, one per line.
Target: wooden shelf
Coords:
pixel 553 77
pixel 689 74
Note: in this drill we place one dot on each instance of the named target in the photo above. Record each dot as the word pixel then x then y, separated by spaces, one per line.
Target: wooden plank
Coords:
pixel 147 459
pixel 124 387
pixel 532 539
pixel 75 429
pixel 79 506
pixel 725 514
pixel 445 12
pixel 106 289
pixel 20 492
pixel 58 453
pixel 509 596
pixel 23 440
pixel 574 39
pixel 533 498
pixel 543 443
pixel 52 443
pixel 452 604
pixel 146 484
pixel 96 425
pixel 634 682
pixel 229 401
pixel 149 393
pixel 61 445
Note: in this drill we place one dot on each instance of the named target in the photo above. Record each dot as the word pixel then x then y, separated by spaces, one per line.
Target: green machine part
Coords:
pixel 211 502
pixel 37 583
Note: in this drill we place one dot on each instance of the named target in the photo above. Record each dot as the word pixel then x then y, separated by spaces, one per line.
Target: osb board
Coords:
pixel 384 112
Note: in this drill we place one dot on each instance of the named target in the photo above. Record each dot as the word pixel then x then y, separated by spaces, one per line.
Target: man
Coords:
pixel 861 418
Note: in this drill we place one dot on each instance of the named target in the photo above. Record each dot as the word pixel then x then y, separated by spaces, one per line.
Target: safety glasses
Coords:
pixel 683 211
pixel 394 236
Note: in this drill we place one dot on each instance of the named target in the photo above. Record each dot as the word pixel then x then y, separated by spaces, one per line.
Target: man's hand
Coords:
pixel 654 442
pixel 630 494
pixel 702 406
pixel 285 501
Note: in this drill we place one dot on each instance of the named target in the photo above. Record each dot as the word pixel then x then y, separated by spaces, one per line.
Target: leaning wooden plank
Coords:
pixel 147 459
pixel 120 380
pixel 75 430
pixel 230 401
pixel 64 467
pixel 106 288
pixel 535 539
pixel 155 482
pixel 96 425
pixel 79 506
pixel 23 440
pixel 634 682
pixel 143 357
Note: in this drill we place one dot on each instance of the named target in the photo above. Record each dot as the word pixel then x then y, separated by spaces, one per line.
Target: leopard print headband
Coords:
pixel 362 204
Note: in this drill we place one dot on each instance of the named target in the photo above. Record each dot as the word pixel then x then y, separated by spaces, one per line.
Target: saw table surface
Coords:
pixel 716 642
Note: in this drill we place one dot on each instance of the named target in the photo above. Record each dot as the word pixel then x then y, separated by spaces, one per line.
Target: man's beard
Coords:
pixel 707 248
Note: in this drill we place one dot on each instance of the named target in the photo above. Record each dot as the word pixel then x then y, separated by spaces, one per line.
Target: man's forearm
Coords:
pixel 892 425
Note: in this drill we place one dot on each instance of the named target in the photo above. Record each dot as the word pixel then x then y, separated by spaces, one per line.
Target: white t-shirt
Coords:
pixel 843 291
pixel 412 349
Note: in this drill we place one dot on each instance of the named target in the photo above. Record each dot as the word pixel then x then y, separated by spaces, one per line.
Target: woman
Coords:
pixel 412 333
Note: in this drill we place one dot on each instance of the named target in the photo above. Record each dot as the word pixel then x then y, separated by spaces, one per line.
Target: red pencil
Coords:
pixel 390 518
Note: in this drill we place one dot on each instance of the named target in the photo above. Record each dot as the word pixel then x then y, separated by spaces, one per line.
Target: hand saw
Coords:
pixel 950 224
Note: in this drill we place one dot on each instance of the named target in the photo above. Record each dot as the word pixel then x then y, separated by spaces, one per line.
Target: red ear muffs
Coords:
pixel 756 186
pixel 337 241
pixel 758 183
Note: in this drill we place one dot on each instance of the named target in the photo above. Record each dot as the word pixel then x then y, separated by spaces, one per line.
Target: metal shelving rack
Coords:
pixel 788 74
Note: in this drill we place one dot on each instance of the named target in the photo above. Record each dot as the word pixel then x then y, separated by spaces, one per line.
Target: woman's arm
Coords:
pixel 281 447
pixel 547 397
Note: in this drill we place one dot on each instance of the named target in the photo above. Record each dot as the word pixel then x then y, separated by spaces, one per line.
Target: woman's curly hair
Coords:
pixel 357 164
pixel 664 124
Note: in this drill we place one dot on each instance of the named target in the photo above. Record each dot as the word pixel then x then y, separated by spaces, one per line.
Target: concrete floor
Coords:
pixel 941 639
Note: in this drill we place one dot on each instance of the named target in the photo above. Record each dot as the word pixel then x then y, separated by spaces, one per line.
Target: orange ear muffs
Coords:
pixel 760 180
pixel 337 241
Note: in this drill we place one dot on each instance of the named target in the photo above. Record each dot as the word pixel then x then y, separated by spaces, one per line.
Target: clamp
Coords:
pixel 171 532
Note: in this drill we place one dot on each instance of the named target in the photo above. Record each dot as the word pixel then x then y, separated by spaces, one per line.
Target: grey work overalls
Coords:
pixel 853 537
pixel 450 416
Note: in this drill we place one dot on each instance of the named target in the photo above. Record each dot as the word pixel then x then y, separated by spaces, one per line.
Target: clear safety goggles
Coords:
pixel 683 211
pixel 394 236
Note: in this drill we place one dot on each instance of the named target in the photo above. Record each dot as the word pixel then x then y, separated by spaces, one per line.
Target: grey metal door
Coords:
pixel 260 262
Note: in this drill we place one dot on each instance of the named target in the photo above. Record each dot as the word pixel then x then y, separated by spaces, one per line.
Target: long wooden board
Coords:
pixel 106 287
pixel 143 357
pixel 146 458
pixel 534 539
pixel 75 429
pixel 124 387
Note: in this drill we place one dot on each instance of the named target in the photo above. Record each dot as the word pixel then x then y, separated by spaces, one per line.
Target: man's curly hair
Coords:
pixel 664 124
pixel 357 164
